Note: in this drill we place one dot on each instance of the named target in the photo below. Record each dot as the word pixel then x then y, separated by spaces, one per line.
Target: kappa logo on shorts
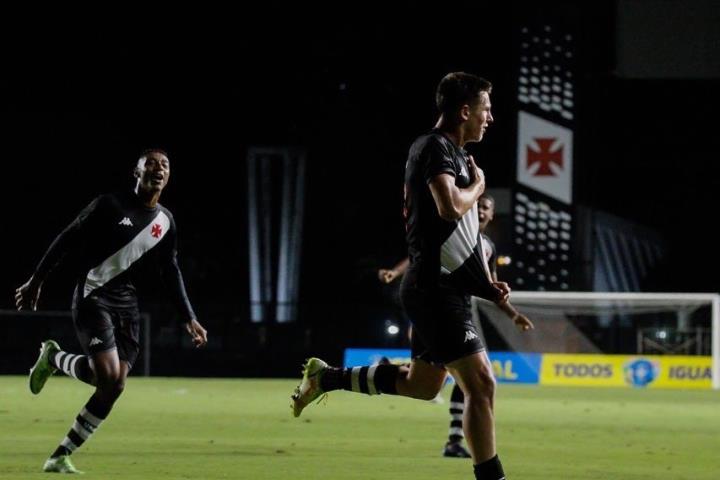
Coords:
pixel 470 336
pixel 95 341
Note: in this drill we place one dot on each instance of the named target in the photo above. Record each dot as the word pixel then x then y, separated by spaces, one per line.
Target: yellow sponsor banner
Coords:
pixel 684 372
pixel 643 371
pixel 585 370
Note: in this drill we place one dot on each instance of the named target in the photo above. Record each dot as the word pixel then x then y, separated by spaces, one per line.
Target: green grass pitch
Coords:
pixel 243 429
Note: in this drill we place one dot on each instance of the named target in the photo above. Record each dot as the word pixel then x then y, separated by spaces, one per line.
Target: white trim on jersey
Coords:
pixel 121 260
pixel 460 245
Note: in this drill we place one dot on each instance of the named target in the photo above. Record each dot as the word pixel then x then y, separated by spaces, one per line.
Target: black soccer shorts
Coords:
pixel 100 327
pixel 443 326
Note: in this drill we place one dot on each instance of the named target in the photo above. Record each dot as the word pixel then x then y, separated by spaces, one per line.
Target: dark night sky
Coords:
pixel 78 108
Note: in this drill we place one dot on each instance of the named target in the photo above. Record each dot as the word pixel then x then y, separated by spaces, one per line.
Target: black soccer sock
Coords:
pixel 489 470
pixel 457 407
pixel 76 366
pixel 370 380
pixel 89 419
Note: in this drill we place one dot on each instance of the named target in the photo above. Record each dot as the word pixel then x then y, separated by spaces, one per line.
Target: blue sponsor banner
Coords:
pixel 357 357
pixel 512 367
pixel 509 367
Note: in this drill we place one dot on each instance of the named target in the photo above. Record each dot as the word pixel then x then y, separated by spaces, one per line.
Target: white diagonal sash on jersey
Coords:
pixel 462 242
pixel 121 260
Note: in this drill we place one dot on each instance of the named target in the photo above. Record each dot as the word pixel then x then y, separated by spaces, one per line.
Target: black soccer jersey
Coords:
pixel 490 255
pixel 115 238
pixel 442 252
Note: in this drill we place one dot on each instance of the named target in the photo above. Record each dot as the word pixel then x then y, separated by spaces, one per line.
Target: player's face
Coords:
pixel 479 117
pixel 153 172
pixel 486 212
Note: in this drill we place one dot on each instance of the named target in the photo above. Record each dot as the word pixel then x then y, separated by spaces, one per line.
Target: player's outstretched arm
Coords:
pixel 387 275
pixel 197 332
pixel 522 322
pixel 27 295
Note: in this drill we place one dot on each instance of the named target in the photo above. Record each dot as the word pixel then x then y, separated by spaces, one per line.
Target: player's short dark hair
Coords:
pixel 459 88
pixel 148 151
pixel 487 196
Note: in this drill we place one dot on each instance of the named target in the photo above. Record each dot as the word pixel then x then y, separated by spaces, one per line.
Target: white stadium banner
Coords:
pixel 545 157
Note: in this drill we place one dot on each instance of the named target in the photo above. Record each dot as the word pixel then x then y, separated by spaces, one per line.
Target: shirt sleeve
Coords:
pixel 436 160
pixel 68 240
pixel 172 276
pixel 492 263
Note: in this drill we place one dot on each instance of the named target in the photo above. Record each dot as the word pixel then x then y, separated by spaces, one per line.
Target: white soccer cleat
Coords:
pixel 61 464
pixel 309 388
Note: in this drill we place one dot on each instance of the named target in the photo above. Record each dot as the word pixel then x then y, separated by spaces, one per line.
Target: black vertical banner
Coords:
pixel 543 223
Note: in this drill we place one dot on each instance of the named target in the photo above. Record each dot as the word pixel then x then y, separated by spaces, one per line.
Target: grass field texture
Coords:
pixel 234 428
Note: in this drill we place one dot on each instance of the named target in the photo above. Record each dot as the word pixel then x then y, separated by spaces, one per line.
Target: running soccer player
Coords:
pixel 486 212
pixel 113 240
pixel 447 266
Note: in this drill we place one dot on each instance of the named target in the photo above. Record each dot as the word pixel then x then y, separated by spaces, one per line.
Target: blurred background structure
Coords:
pixel 288 140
